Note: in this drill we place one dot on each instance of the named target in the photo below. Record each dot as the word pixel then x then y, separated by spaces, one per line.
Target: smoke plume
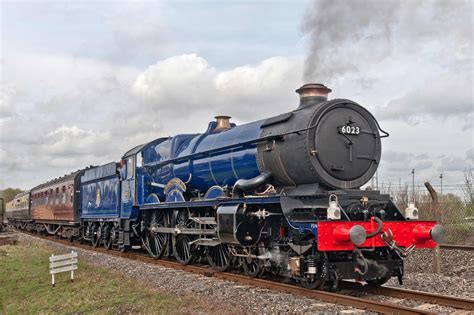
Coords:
pixel 348 37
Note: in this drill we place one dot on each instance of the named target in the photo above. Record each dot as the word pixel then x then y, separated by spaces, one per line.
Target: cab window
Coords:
pixel 130 167
pixel 139 159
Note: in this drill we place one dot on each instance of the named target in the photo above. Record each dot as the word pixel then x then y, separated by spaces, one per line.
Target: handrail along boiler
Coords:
pixel 280 195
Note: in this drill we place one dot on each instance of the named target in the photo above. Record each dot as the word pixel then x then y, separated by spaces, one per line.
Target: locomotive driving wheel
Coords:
pixel 219 257
pixel 185 252
pixel 156 242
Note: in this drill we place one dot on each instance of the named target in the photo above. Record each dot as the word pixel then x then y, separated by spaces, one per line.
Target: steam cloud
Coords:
pixel 348 37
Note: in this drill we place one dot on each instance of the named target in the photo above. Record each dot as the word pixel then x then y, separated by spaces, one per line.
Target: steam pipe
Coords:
pixel 433 194
pixel 378 229
pixel 244 185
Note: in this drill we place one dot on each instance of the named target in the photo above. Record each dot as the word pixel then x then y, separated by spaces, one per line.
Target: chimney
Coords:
pixel 312 94
pixel 223 123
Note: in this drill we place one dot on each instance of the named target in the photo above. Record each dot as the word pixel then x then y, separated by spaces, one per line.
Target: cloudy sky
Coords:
pixel 83 81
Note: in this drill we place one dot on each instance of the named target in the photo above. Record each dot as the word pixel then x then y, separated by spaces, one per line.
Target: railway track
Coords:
pixel 330 297
pixel 450 301
pixel 459 247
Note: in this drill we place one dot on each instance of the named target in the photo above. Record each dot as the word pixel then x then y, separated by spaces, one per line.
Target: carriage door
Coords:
pixel 128 188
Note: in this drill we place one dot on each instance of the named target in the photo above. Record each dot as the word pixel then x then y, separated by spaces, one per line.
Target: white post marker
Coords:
pixel 62 263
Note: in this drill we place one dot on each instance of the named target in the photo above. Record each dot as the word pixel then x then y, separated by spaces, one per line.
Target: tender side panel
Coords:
pixel 100 193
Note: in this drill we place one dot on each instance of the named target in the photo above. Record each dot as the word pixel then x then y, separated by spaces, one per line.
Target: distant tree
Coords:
pixel 9 193
pixel 468 190
pixel 451 199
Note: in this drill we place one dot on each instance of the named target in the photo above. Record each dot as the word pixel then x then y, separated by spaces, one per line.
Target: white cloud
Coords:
pixel 178 84
pixel 77 112
pixel 450 95
pixel 7 95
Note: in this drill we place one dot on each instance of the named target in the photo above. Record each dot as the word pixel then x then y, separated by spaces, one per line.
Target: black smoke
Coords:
pixel 349 36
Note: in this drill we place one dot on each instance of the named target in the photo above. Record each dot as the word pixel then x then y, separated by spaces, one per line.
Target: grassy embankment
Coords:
pixel 25 288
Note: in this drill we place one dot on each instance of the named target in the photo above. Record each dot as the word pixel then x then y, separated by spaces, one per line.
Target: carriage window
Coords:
pixel 57 196
pixel 64 194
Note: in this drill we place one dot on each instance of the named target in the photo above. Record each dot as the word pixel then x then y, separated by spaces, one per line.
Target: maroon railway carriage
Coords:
pixel 55 206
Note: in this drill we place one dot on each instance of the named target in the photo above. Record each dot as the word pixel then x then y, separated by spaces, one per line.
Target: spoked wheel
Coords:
pixel 253 267
pixel 155 242
pixel 109 237
pixel 219 257
pixel 96 235
pixel 185 252
pixel 378 281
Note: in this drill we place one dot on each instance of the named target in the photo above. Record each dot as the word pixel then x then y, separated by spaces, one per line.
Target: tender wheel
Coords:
pixel 109 237
pixel 378 281
pixel 156 243
pixel 219 257
pixel 96 235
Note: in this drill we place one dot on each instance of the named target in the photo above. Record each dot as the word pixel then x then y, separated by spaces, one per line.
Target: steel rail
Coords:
pixel 451 301
pixel 433 298
pixel 459 247
pixel 330 297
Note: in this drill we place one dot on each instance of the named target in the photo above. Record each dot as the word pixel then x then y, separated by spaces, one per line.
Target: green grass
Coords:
pixel 25 288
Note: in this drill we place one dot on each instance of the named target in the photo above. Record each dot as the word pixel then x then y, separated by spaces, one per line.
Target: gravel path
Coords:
pixel 456 278
pixel 217 296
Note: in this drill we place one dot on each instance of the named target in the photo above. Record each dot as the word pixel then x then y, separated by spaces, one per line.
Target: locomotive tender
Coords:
pixel 280 195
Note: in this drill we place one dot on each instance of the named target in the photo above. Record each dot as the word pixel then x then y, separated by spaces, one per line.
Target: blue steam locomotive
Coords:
pixel 280 195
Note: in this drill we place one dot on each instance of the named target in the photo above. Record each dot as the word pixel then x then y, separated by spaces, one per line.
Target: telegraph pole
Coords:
pixel 441 178
pixel 413 183
pixel 377 179
pixel 1 214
